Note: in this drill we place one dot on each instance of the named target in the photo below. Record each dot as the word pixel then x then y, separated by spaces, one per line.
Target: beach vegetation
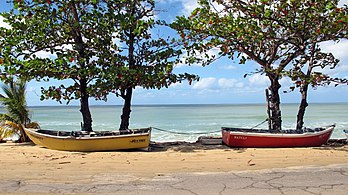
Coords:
pixel 91 49
pixel 68 42
pixel 144 58
pixel 282 37
pixel 17 113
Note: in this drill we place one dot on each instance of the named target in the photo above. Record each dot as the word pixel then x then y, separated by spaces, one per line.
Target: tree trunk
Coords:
pixel 304 90
pixel 23 137
pixel 126 109
pixel 304 95
pixel 268 110
pixel 86 114
pixel 127 94
pixel 302 107
pixel 276 120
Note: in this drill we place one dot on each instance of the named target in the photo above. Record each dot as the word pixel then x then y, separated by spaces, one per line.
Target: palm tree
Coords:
pixel 17 114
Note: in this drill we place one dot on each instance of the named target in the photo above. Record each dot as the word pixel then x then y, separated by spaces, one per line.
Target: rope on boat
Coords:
pixel 198 133
pixel 184 133
pixel 259 124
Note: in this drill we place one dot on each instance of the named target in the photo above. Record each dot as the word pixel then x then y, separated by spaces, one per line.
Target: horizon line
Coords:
pixel 179 104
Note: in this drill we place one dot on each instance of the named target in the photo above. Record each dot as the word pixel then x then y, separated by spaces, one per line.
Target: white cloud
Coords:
pixel 45 54
pixel 212 83
pixel 227 83
pixel 176 85
pixel 188 6
pixel 4 24
pixel 339 50
pixel 258 80
pixel 240 85
pixel 230 83
pixel 342 2
pixel 66 47
pixel 206 83
pixel 285 82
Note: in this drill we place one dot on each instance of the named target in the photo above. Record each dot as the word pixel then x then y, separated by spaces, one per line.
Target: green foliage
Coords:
pixel 99 46
pixel 306 69
pixel 273 34
pixel 74 36
pixel 13 99
pixel 142 59
pixel 79 39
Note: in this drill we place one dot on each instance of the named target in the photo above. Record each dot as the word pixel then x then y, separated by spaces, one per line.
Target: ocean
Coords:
pixel 188 121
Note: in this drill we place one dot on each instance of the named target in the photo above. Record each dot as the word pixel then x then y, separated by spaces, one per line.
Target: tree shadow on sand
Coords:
pixel 189 147
pixel 335 144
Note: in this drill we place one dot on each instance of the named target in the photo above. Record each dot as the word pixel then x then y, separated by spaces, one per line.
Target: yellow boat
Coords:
pixel 88 142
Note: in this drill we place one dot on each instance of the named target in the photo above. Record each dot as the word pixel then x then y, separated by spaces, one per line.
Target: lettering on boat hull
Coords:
pixel 240 137
pixel 137 140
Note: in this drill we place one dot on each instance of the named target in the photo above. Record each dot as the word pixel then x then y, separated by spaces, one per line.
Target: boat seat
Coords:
pixel 125 132
pixel 93 134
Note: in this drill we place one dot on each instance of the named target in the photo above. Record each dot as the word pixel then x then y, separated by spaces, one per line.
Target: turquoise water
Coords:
pixel 190 118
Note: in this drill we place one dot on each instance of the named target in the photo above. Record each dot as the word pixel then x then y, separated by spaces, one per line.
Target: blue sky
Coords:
pixel 220 83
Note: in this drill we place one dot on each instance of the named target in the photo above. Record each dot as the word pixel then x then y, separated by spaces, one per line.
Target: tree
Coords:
pixel 75 37
pixel 101 46
pixel 270 33
pixel 17 114
pixel 142 59
pixel 304 76
pixel 330 24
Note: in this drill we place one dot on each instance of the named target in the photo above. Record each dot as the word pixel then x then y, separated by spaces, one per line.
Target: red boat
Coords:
pixel 256 138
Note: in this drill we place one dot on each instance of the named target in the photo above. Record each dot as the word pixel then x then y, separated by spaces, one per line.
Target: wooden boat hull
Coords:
pixel 89 143
pixel 275 140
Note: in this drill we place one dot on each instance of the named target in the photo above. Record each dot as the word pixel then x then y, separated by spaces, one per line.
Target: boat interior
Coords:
pixel 94 133
pixel 287 131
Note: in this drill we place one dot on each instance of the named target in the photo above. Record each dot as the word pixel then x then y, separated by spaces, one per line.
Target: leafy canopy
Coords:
pixel 88 42
pixel 274 34
pixel 62 40
pixel 144 58
pixel 271 33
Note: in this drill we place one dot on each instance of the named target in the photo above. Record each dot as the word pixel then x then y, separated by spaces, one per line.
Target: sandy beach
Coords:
pixel 174 168
pixel 27 161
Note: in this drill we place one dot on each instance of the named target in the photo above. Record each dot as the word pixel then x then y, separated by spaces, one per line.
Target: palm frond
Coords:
pixel 12 125
pixel 14 101
pixel 8 129
pixel 33 125
pixel 6 117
